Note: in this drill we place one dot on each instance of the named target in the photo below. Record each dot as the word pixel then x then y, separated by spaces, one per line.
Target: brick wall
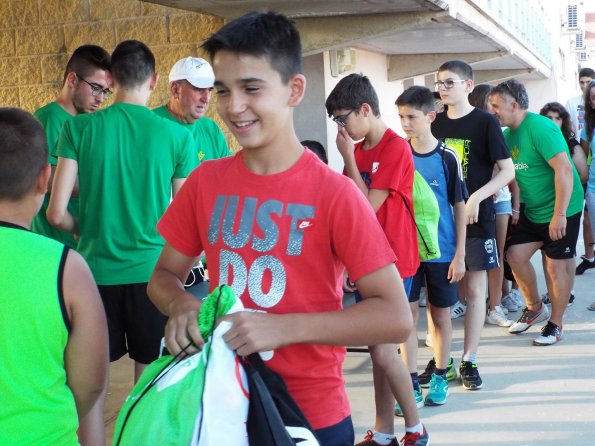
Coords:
pixel 38 36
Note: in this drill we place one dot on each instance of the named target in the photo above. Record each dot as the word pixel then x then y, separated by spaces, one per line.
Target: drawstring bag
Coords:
pixel 198 400
pixel 274 418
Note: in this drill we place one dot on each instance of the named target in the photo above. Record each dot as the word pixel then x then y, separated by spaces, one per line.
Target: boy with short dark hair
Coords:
pixel 54 348
pixel 441 169
pixel 277 225
pixel 381 166
pixel 477 138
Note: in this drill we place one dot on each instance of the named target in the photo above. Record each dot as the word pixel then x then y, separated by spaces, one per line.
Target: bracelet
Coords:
pixel 561 215
pixel 514 211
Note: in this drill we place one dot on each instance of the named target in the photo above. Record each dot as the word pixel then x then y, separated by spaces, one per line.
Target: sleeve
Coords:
pixel 187 159
pixel 497 147
pixel 457 191
pixel 179 224
pixel 66 146
pixel 395 168
pixel 356 235
pixel 548 140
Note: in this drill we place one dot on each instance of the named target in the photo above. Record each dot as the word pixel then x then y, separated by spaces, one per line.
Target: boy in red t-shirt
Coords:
pixel 277 225
pixel 381 166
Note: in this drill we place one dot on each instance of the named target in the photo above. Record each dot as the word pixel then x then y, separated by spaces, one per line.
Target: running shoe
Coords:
pixel 438 391
pixel 470 375
pixel 457 310
pixel 497 317
pixel 416 439
pixel 550 334
pixel 429 341
pixel 419 402
pixel 425 377
pixel 545 298
pixel 584 265
pixel 528 318
pixel 511 303
pixel 369 441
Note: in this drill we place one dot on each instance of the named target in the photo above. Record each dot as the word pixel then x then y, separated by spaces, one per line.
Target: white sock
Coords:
pixel 381 438
pixel 418 428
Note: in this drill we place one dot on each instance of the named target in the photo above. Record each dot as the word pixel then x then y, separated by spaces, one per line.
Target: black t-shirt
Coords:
pixel 478 139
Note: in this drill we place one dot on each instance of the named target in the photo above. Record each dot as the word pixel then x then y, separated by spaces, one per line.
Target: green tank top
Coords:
pixel 36 405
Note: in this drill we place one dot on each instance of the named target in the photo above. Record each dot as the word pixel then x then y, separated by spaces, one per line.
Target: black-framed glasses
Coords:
pixel 342 119
pixel 96 90
pixel 447 84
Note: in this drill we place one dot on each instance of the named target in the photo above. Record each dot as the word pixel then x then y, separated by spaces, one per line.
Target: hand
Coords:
pixel 252 332
pixel 182 327
pixel 557 227
pixel 344 143
pixel 515 216
pixel 456 270
pixel 471 210
pixel 348 285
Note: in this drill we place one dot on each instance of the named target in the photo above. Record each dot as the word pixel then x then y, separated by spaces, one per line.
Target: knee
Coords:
pixel 383 356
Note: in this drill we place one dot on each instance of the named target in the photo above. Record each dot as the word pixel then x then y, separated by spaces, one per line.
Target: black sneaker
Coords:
pixel 550 334
pixel 584 266
pixel 470 375
pixel 425 377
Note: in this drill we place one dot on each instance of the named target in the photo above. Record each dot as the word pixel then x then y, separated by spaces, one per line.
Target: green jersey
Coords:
pixel 127 158
pixel 532 144
pixel 36 405
pixel 52 117
pixel 210 141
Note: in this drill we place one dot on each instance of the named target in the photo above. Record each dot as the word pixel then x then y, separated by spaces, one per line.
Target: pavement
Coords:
pixel 531 396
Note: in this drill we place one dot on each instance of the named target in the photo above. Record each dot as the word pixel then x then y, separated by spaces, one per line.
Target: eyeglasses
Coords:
pixel 96 90
pixel 342 120
pixel 447 84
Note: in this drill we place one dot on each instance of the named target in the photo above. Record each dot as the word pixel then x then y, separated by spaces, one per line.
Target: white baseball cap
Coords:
pixel 195 70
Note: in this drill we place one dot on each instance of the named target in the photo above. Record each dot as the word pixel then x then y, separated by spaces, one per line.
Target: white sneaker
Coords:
pixel 429 340
pixel 457 310
pixel 528 318
pixel 497 317
pixel 511 303
pixel 518 297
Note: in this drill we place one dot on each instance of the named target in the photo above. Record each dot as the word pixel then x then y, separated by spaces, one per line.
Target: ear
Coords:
pixel 431 116
pixel 297 85
pixel 71 79
pixel 365 109
pixel 154 80
pixel 43 179
pixel 469 84
pixel 174 89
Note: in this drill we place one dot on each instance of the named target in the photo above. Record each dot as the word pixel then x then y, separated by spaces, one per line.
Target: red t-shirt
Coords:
pixel 389 166
pixel 280 241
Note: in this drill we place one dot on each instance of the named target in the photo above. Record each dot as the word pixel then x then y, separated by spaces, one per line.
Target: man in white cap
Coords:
pixel 190 84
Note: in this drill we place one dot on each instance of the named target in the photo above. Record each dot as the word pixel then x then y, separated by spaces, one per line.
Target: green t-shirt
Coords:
pixel 532 144
pixel 52 116
pixel 127 158
pixel 210 141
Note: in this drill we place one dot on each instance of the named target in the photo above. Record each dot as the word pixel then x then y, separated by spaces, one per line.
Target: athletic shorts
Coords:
pixel 525 231
pixel 481 254
pixel 503 207
pixel 134 323
pixel 440 292
pixel 407 281
pixel 340 434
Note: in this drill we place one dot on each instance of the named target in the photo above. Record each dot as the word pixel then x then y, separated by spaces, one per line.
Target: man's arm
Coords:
pixel 504 176
pixel 86 355
pixel 563 183
pixel 515 200
pixel 64 182
pixel 166 291
pixel 382 317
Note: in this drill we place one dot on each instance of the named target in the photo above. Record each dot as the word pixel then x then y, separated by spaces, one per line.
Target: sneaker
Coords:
pixel 528 318
pixel 419 402
pixel 470 375
pixel 545 298
pixel 438 391
pixel 497 317
pixel 422 297
pixel 425 377
pixel 510 302
pixel 369 441
pixel 550 334
pixel 584 266
pixel 416 439
pixel 457 310
pixel 429 340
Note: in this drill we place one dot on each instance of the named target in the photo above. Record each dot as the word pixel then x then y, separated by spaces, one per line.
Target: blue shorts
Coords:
pixel 340 434
pixel 503 207
pixel 481 254
pixel 441 293
pixel 407 282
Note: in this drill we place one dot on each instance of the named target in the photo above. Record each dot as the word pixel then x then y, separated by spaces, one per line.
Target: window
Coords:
pixel 572 16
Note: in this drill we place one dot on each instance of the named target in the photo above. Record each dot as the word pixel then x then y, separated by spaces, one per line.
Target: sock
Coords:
pixel 418 428
pixel 440 372
pixel 415 381
pixel 381 438
pixel 470 358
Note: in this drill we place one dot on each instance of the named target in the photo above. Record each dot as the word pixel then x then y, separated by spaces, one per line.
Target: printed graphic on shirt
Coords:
pixel 462 146
pixel 514 153
pixel 237 223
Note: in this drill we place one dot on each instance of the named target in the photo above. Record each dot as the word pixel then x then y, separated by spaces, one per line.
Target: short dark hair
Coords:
pixel 132 63
pixel 86 59
pixel 317 148
pixel 350 93
pixel 478 98
pixel 513 89
pixel 23 152
pixel 420 98
pixel 261 34
pixel 460 67
pixel 556 107
pixel 586 72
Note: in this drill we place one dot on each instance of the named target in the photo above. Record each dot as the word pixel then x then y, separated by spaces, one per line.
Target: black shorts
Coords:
pixel 134 323
pixel 440 292
pixel 525 231
pixel 481 254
